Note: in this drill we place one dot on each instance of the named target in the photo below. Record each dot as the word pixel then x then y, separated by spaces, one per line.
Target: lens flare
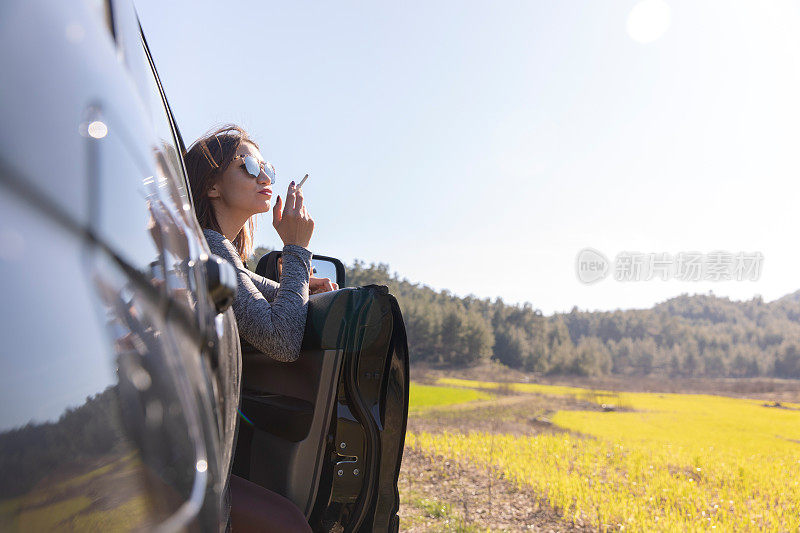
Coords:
pixel 245 417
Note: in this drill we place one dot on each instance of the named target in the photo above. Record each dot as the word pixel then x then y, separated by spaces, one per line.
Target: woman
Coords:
pixel 231 184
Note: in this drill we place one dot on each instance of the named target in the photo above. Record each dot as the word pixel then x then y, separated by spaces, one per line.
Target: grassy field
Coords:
pixel 423 397
pixel 632 461
pixel 105 498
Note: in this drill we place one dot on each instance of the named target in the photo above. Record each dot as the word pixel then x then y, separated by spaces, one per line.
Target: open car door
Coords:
pixel 327 431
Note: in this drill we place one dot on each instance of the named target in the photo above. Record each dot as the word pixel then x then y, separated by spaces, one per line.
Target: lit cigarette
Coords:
pixel 302 181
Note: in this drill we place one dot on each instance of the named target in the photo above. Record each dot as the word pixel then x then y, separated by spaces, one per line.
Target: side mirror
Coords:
pixel 221 282
pixel 322 266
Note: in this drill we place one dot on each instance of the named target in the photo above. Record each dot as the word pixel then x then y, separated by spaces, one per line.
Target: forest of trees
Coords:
pixel 687 336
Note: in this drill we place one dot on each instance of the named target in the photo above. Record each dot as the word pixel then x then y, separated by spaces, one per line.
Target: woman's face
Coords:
pixel 239 193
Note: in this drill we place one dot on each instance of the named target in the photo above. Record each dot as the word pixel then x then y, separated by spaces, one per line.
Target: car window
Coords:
pixel 160 120
pixel 143 207
pixel 125 198
pixel 181 238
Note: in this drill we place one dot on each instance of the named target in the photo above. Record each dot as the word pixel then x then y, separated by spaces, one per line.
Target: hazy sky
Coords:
pixel 479 146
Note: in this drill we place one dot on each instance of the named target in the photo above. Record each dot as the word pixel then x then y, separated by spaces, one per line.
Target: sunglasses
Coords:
pixel 254 167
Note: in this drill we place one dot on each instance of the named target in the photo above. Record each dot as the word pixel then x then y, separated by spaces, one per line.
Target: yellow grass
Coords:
pixel 677 462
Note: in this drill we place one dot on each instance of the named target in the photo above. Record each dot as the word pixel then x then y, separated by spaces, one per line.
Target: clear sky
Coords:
pixel 479 146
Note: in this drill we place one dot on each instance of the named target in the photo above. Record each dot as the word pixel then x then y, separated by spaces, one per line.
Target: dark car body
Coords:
pixel 121 371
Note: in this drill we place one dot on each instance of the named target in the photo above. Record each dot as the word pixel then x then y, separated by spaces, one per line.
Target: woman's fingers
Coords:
pixel 276 213
pixel 291 198
pixel 294 223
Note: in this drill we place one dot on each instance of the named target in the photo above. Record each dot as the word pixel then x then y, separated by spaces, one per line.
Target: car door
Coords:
pixel 327 430
pixel 141 197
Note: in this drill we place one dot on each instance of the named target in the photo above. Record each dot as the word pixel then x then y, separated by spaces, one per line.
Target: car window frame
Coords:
pixel 176 134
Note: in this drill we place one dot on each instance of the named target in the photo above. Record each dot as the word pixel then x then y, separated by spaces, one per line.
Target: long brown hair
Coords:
pixel 205 161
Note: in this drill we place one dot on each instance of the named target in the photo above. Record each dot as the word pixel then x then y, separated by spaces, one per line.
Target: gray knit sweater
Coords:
pixel 271 316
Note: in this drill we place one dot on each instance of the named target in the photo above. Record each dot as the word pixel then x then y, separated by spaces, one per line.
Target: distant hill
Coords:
pixel 689 336
pixel 792 297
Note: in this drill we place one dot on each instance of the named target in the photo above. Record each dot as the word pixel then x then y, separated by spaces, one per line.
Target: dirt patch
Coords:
pixel 438 494
pixel 516 415
pixel 768 389
pixel 491 371
pixel 763 388
pixel 686 472
pixel 779 405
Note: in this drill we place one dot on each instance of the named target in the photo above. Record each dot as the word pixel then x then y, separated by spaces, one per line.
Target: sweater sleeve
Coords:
pixel 265 286
pixel 275 328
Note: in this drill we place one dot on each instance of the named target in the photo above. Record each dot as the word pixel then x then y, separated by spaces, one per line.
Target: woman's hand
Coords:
pixel 320 285
pixel 292 222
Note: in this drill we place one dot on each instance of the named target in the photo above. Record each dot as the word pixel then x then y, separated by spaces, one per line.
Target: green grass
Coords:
pixel 432 508
pixel 447 519
pixel 426 396
pixel 578 393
